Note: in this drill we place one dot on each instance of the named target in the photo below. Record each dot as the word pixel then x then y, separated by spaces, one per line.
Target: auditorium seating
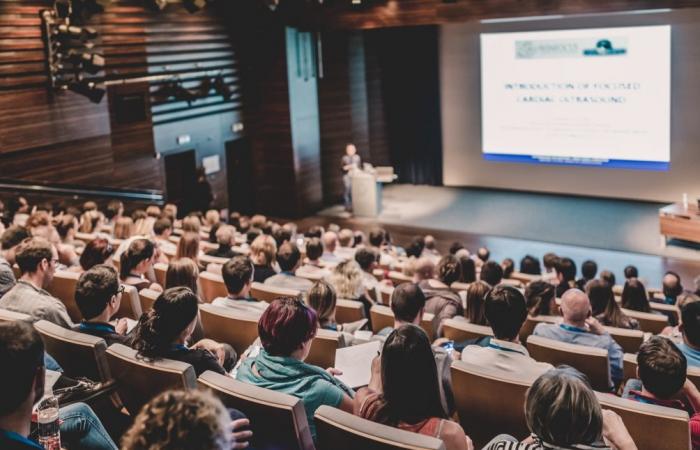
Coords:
pixel 385 294
pixel 398 277
pixel 63 288
pixel 11 316
pixel 139 380
pixel 629 369
pixel 230 326
pixel 652 427
pixel 323 347
pixel 488 402
pixel 648 322
pixel 382 317
pixel 461 330
pixel 668 310
pixel 531 322
pixel 212 286
pixel 130 306
pixel 146 298
pixel 160 270
pixel 591 361
pixel 348 311
pixel 338 430
pixel 277 420
pixel 263 292
pixel 79 354
pixel 629 340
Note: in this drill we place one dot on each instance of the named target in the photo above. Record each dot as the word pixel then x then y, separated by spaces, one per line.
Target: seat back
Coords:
pixel 146 299
pixel 592 361
pixel 385 294
pixel 229 326
pixel 267 293
pixel 160 269
pixel 11 316
pixel 648 322
pixel 652 427
pixel 130 305
pixel 382 317
pixel 206 259
pixel 277 420
pixel 139 380
pixel 461 330
pixel 212 286
pixel 79 354
pixel 399 278
pixel 339 430
pixel 323 347
pixel 63 288
pixel 349 311
pixel 668 310
pixel 629 340
pixel 531 322
pixel 488 402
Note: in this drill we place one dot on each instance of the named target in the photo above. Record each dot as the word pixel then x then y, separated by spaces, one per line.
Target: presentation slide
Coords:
pixel 599 96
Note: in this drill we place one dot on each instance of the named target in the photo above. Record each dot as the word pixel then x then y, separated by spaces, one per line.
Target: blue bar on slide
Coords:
pixel 564 161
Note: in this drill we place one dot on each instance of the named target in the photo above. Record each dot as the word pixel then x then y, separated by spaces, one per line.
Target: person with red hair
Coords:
pixel 286 330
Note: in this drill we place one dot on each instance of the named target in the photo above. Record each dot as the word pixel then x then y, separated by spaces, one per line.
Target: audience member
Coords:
pixel 263 253
pixel 22 386
pixel 635 297
pixel 508 266
pixel 97 251
pixel 441 301
pixel 192 224
pixel 540 299
pixel 322 298
pixel 579 327
pixel 182 272
pixel 313 267
pixel 631 272
pixel 661 380
pixel 164 332
pixel 690 329
pixel 40 225
pixel 549 261
pixel 188 247
pixel 330 243
pixel 98 296
pixel 491 273
pixel 187 420
pixel 238 278
pixel 368 259
pixel 315 231
pixel 123 228
pixel 566 275
pixel 608 277
pixel 113 212
pixel 588 271
pixel 286 330
pixel 415 247
pixel 225 237
pixel 563 412
pixel 212 217
pixel 67 226
pixel 162 230
pixel 468 268
pixel 9 242
pixel 604 307
pixel 136 263
pixel 672 287
pixel 429 250
pixel 506 312
pixel 288 258
pixel 483 254
pixel 530 265
pixel 455 247
pixel 409 403
pixel 37 261
pixel 476 293
pixel 348 283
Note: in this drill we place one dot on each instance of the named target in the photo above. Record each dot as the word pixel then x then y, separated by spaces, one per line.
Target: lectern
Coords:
pixel 367 190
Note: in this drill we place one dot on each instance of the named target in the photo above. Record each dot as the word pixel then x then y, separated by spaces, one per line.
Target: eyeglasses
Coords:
pixel 120 290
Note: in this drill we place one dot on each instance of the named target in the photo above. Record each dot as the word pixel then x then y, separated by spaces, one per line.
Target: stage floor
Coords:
pixel 516 223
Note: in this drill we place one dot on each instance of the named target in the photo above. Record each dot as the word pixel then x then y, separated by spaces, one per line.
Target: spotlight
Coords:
pixel 90 62
pixel 192 6
pixel 88 89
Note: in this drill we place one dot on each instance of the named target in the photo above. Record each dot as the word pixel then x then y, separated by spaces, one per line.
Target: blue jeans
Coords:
pixel 347 193
pixel 81 429
pixel 51 364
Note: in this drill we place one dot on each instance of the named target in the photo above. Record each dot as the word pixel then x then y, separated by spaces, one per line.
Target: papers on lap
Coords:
pixel 356 363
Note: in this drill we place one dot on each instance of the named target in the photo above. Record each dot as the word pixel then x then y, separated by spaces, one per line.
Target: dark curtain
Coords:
pixel 408 60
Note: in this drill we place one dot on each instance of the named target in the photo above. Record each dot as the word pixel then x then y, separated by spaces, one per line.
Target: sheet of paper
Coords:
pixel 130 324
pixel 356 363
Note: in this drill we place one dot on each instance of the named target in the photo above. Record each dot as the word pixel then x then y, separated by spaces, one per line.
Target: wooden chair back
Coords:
pixel 648 322
pixel 591 361
pixel 323 347
pixel 629 340
pixel 382 317
pixel 130 305
pixel 263 292
pixel 229 326
pixel 398 278
pixel 461 330
pixel 12 316
pixel 212 286
pixel 531 322
pixel 385 292
pixel 349 311
pixel 63 288
pixel 160 269
pixel 146 299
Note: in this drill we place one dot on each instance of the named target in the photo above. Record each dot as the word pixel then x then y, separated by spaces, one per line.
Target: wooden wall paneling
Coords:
pixel 378 141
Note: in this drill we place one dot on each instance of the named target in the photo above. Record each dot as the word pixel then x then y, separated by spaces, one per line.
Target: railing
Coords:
pixel 80 191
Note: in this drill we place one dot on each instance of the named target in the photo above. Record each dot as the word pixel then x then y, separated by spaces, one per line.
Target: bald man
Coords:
pixel 330 243
pixel 580 327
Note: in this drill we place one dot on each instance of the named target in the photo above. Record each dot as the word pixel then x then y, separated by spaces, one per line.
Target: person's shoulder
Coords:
pixel 543 327
pixel 452 434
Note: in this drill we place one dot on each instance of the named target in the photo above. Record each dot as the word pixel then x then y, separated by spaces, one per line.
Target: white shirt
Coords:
pixel 508 357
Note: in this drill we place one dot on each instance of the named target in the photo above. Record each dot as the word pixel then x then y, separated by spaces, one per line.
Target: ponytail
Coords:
pixel 139 250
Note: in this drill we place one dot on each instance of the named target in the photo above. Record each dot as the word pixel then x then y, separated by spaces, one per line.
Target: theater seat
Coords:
pixel 204 260
pixel 489 402
pixel 339 430
pixel 130 305
pixel 461 330
pixel 11 316
pixel 63 288
pixel 139 380
pixel 348 311
pixel 263 292
pixel 652 427
pixel 648 322
pixel 382 317
pixel 524 278
pixel 629 340
pixel 399 278
pixel 592 361
pixel 160 269
pixel 212 286
pixel 323 347
pixel 668 310
pixel 229 326
pixel 277 420
pixel 79 354
pixel 214 268
pixel 385 293
pixel 146 298
pixel 531 322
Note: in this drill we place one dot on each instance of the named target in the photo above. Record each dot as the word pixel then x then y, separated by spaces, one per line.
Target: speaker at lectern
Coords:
pixel 367 189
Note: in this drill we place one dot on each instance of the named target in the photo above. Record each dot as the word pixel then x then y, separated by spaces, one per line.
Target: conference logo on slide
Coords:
pixel 570 48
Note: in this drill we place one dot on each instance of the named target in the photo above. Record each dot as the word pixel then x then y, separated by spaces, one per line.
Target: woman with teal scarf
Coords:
pixel 286 330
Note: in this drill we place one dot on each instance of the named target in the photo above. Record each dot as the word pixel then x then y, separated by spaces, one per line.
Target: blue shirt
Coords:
pixel 574 335
pixel 692 355
pixel 9 440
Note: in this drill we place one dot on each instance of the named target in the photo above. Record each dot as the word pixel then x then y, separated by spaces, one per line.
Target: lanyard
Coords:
pixel 96 327
pixel 498 347
pixel 572 328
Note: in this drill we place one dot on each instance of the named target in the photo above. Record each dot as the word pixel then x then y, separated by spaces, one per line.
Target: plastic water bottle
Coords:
pixel 47 418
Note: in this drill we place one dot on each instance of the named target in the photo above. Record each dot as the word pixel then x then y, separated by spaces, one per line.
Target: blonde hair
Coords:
pixel 123 228
pixel 322 298
pixel 188 246
pixel 347 280
pixel 182 272
pixel 90 221
pixel 153 211
pixel 181 420
pixel 263 250
pixel 191 223
pixel 212 217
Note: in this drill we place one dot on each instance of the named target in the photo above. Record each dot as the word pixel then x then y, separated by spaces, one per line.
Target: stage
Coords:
pixel 612 232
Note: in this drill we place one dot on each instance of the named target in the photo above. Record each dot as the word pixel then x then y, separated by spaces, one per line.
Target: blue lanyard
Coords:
pixel 572 328
pixel 84 326
pixel 180 347
pixel 16 437
pixel 498 347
